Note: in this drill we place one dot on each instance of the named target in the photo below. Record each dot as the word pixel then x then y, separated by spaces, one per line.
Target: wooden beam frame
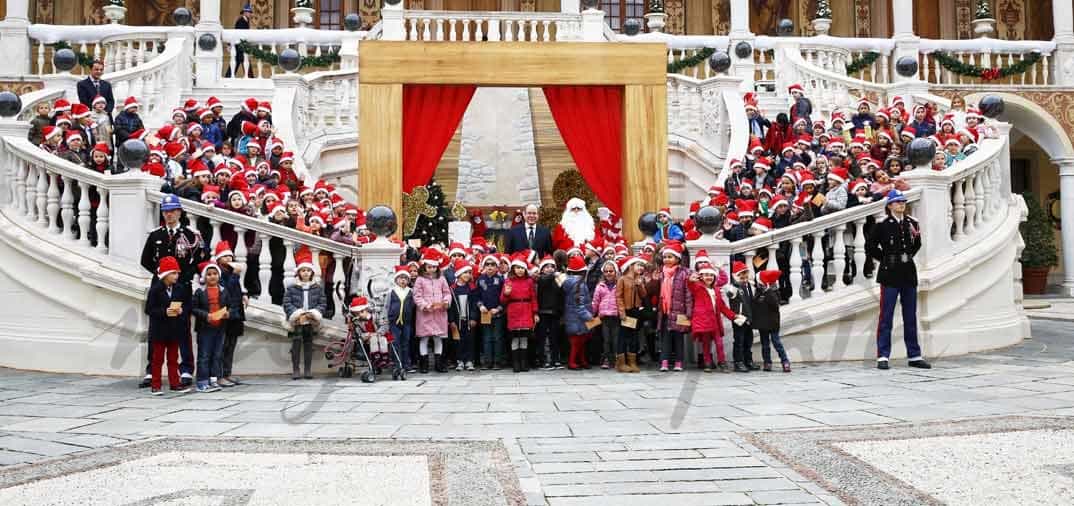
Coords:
pixel 385 66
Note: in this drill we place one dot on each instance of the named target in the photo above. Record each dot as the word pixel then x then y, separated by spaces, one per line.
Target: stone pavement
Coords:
pixel 573 438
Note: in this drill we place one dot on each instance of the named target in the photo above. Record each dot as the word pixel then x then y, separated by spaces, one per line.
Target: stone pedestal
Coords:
pixel 1066 212
pixel 209 63
pixel 717 249
pixel 16 57
pixel 378 261
pixel 592 25
pixel 392 22
pixel 130 216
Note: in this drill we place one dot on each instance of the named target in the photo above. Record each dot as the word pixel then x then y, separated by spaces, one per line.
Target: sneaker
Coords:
pixel 678 366
pixel 882 365
pixel 187 381
pixel 205 388
pixel 181 389
pixel 226 383
pixel 708 368
pixel 663 366
pixel 786 367
pixel 460 366
pixel 559 366
pixel 214 384
pixel 234 380
pixel 549 367
pixel 146 381
pixel 156 391
pixel 604 364
pixel 469 366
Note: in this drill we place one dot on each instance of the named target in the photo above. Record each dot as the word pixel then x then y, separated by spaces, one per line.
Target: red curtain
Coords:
pixel 590 120
pixel 431 113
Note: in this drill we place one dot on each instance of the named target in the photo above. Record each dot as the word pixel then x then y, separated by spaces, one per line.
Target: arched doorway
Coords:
pixel 1049 171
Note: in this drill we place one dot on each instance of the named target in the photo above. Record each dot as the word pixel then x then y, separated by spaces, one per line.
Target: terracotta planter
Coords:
pixel 1034 280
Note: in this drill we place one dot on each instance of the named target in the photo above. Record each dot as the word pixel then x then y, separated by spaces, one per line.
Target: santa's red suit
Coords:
pixel 610 226
pixel 575 228
pixel 478 226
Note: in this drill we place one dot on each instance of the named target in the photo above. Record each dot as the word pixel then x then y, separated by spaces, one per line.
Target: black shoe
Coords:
pixel 883 365
pixel 423 364
pixel 438 364
pixel 753 367
pixel 145 383
pixel 767 366
pixel 516 361
pixel 295 375
pixel 186 381
pixel 740 367
pixel 920 364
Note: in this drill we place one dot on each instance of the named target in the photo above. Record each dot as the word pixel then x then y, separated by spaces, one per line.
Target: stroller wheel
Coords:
pixel 348 371
pixel 329 355
pixel 368 377
pixel 395 375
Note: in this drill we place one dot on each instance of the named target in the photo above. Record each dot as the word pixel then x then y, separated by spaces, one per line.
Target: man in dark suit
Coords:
pixel 243 23
pixel 93 85
pixel 530 234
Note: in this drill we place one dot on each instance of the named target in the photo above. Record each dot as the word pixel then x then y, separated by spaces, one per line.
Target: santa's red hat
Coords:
pixel 838 174
pixel 73 135
pixel 359 304
pixel 167 265
pixel 626 262
pixel 61 105
pixel 402 270
pixel 738 267
pixel 762 224
pixel 223 249
pixel 79 111
pixel 576 264
pixel 461 266
pixel 130 102
pixel 50 131
pixel 673 247
pixel 769 277
pixel 702 257
pixel 519 260
pixel 204 267
pixel 547 260
pixel 746 207
pixel 795 87
pixel 213 102
pixel 456 248
pixel 304 260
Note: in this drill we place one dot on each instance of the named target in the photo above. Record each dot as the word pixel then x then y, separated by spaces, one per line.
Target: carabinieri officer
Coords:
pixel 893 244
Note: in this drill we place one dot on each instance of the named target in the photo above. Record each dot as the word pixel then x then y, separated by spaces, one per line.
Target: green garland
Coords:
pixel 866 60
pixel 271 58
pixel 685 63
pixel 84 59
pixel 956 66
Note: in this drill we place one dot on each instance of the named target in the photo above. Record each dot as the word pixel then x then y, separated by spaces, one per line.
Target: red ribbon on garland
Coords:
pixel 990 74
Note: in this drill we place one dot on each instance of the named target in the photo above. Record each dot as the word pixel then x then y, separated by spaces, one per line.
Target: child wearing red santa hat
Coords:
pixel 576 312
pixel 706 325
pixel 519 296
pixel 674 305
pixel 766 318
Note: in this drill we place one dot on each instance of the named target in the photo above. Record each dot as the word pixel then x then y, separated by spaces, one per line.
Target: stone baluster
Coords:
pixel 288 263
pixel 216 235
pixel 979 199
pixel 749 262
pixel 19 202
pixel 773 251
pixel 264 269
pixel 239 248
pixel 971 204
pixel 426 34
pixel 102 220
pixel 958 211
pixel 494 30
pixel 479 31
pixel 451 29
pixel 42 198
pixel 986 192
pixel 231 61
pixel 315 254
pixel 67 208
pixel 41 58
pixel 439 35
pixel 796 269
pixel 84 209
pixel 839 251
pixel 509 30
pixel 547 36
pixel 859 251
pixel 466 30
pixel 818 262
pixel 30 192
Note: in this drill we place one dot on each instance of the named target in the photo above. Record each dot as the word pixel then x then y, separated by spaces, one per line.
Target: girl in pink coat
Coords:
pixel 520 296
pixel 707 326
pixel 432 296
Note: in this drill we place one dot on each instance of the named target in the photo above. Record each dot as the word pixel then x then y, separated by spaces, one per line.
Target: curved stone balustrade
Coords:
pixel 492 26
pixel 158 84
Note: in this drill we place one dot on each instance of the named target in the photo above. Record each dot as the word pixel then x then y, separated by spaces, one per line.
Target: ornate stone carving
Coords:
pixel 721 17
pixel 369 10
pixel 1012 20
pixel 21 87
pixel 1060 104
pixel 676 20
pixel 45 12
pixel 963 17
pixel 863 18
pixel 263 14
pixel 711 102
pixel 416 5
pixel 527 5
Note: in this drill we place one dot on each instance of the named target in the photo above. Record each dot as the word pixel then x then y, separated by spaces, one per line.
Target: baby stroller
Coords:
pixel 346 354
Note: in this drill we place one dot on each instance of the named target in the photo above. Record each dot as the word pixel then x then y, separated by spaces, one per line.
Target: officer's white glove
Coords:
pixel 740 319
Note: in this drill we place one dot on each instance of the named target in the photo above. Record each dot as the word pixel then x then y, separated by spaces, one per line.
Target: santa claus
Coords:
pixel 575 228
pixel 478 225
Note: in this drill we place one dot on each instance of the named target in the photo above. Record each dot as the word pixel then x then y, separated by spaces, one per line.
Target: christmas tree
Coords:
pixel 434 229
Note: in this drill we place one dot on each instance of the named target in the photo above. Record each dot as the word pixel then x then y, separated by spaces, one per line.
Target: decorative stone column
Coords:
pixel 130 217
pixel 740 37
pixel 592 25
pixel 210 64
pixel 378 260
pixel 906 43
pixel 16 57
pixel 569 6
pixel 1063 14
pixel 392 22
pixel 1066 214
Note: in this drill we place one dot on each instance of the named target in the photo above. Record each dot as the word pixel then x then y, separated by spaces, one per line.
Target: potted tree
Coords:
pixel 303 12
pixel 983 21
pixel 115 11
pixel 822 21
pixel 1039 255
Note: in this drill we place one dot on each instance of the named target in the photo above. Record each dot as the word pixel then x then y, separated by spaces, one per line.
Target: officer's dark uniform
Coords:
pixel 186 245
pixel 893 243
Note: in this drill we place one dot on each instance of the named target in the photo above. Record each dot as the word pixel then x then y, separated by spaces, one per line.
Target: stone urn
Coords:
pixel 656 21
pixel 984 26
pixel 115 13
pixel 822 25
pixel 302 16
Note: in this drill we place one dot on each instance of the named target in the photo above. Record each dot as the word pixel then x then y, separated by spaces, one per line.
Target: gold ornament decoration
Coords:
pixel 458 211
pixel 416 203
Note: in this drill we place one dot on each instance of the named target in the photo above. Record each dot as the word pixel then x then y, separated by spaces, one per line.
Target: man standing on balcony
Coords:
pixel 243 23
pixel 893 243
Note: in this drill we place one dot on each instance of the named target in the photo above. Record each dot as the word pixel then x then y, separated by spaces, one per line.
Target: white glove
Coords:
pixel 740 319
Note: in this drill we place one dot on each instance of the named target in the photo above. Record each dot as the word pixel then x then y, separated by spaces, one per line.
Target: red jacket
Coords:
pixel 705 317
pixel 521 304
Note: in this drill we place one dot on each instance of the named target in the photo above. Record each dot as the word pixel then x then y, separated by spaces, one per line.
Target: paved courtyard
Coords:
pixel 995 428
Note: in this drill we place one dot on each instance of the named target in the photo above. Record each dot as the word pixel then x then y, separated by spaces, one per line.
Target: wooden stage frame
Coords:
pixel 385 66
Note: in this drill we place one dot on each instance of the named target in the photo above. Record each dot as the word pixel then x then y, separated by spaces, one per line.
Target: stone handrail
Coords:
pixel 32 99
pixel 159 83
pixel 109 42
pixel 127 51
pixel 308 42
pixel 321 104
pixel 492 26
pixel 827 89
pixel 701 114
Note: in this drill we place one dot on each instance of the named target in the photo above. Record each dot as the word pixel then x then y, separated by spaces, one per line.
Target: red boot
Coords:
pixel 572 359
pixel 582 359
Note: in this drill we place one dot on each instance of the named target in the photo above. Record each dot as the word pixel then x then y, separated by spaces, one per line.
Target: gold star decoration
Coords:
pixel 458 212
pixel 416 203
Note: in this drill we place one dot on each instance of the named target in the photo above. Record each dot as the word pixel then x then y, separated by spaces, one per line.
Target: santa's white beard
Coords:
pixel 578 226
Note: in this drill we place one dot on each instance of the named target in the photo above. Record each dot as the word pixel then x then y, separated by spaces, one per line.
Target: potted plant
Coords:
pixel 1039 254
pixel 822 22
pixel 983 21
pixel 303 12
pixel 115 11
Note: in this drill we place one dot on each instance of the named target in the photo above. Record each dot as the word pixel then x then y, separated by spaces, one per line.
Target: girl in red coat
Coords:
pixel 708 306
pixel 519 295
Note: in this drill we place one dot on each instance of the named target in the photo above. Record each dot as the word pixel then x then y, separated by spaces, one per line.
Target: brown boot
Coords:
pixel 620 363
pixel 632 362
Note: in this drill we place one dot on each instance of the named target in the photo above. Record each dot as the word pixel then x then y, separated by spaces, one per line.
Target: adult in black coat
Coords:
pixel 518 238
pixel 242 23
pixel 93 85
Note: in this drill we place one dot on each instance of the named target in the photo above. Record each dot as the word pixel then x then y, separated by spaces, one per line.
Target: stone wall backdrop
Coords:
pixel 497 158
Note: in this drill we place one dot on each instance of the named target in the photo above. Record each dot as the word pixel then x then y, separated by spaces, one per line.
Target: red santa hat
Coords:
pixel 795 87
pixel 359 304
pixel 213 102
pixel 264 106
pixel 547 260
pixel 746 207
pixel 769 277
pixel 61 105
pixel 948 119
pixel 304 260
pixel 101 147
pixel 777 200
pixel 626 262
pixel 838 174
pixel 702 257
pixel 461 266
pixel 883 113
pixel 203 269
pixel 519 260
pixel 838 116
pixel 167 265
pixel 864 101
pixel 73 135
pixel 576 264
pixel 130 102
pixel 402 270
pixel 737 267
pixel 708 268
pixel 858 183
pixel 766 190
pixel 79 111
pixel 223 249
pixel 762 164
pixel 908 131
pixel 673 247
pixel 50 131
pixel 762 224
pixel 720 200
pixel 456 248
pixel 787 146
pixel 807 178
